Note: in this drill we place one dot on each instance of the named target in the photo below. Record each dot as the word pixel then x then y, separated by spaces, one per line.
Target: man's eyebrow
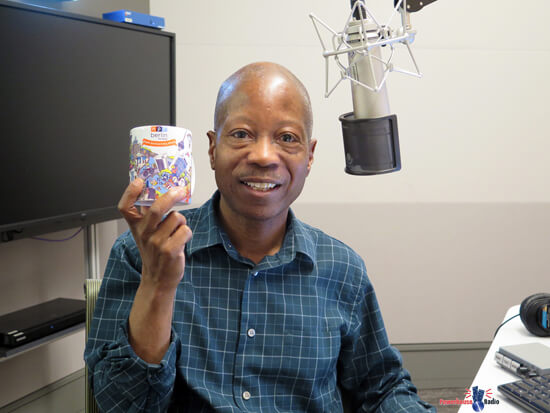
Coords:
pixel 283 122
pixel 295 123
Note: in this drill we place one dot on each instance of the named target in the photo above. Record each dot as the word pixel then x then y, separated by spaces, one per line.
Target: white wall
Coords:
pixel 450 242
pixel 458 235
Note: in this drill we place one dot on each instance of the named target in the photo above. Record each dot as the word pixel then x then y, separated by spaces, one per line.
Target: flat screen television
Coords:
pixel 71 88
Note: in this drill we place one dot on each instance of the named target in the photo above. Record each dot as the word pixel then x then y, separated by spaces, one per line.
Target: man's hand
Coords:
pixel 161 243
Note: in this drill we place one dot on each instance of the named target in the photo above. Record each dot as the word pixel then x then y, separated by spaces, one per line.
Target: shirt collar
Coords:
pixel 300 235
pixel 208 232
pixel 205 226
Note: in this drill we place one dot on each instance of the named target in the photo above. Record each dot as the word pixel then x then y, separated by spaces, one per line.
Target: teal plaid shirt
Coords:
pixel 286 335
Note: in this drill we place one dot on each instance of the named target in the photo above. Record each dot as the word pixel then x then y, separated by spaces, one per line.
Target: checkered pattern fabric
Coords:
pixel 289 334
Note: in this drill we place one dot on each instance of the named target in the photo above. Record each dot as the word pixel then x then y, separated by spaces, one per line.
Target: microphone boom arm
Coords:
pixel 416 5
pixel 412 5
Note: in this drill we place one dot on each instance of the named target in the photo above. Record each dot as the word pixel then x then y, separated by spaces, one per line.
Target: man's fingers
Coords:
pixel 170 237
pixel 179 238
pixel 126 205
pixel 167 227
pixel 160 207
pixel 146 221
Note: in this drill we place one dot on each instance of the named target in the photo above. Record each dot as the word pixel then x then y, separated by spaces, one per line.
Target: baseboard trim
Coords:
pixel 432 366
pixel 46 390
pixel 441 365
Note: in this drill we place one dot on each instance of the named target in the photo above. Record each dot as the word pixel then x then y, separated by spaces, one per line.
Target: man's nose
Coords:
pixel 264 152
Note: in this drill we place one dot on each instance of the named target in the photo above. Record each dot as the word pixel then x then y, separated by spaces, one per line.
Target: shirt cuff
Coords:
pixel 130 374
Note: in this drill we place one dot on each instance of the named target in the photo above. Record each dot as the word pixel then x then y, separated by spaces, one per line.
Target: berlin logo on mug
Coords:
pixel 161 156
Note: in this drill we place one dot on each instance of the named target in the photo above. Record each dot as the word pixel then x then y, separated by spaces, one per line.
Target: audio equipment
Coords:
pixel 534 311
pixel 32 323
pixel 371 139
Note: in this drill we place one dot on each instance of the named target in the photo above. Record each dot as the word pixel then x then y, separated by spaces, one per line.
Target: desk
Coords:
pixel 490 374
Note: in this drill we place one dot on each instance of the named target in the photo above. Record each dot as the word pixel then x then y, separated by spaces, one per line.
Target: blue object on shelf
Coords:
pixel 133 17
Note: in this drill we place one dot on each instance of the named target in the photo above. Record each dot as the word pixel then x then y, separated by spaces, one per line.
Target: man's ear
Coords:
pixel 312 146
pixel 212 148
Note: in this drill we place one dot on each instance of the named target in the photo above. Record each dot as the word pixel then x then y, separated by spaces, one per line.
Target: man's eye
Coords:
pixel 240 134
pixel 288 138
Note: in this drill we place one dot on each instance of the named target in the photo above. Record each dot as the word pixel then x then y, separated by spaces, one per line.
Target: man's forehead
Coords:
pixel 240 92
pixel 261 80
pixel 250 83
pixel 270 89
pixel 237 98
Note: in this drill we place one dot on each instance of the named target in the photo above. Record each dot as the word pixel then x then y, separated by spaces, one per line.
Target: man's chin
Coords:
pixel 264 214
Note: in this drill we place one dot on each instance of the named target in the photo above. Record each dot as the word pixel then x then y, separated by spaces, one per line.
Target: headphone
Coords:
pixel 534 312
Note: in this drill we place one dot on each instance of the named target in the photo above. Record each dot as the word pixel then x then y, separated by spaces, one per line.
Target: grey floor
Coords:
pixel 433 396
pixel 70 399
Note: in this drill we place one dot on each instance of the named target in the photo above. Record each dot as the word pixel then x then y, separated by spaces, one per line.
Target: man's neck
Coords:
pixel 254 239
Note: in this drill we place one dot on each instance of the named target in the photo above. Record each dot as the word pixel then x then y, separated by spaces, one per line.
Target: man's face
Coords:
pixel 261 153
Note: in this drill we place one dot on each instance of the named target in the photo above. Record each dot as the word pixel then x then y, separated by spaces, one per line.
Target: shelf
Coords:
pixel 10 352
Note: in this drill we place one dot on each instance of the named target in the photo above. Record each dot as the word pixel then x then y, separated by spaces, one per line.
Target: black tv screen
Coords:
pixel 71 88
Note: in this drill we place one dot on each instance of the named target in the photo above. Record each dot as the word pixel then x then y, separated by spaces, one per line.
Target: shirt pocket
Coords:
pixel 311 351
pixel 309 358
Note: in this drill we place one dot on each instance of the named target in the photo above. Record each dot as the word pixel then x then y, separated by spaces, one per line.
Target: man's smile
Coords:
pixel 261 186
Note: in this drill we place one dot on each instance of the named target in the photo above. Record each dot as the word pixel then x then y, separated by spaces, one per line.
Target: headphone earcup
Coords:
pixel 529 311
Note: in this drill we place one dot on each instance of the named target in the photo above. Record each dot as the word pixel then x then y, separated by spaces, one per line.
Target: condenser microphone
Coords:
pixel 371 139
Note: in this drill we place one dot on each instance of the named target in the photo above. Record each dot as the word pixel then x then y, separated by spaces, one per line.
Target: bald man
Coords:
pixel 237 305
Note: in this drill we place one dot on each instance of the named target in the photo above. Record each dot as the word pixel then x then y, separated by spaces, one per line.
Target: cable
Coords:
pixel 58 240
pixel 504 322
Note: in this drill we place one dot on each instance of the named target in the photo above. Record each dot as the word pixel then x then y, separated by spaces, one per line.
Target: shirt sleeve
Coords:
pixel 370 371
pixel 120 379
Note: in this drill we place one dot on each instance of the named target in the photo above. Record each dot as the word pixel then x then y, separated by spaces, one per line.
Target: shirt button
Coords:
pixel 251 332
pixel 246 395
pixel 255 273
